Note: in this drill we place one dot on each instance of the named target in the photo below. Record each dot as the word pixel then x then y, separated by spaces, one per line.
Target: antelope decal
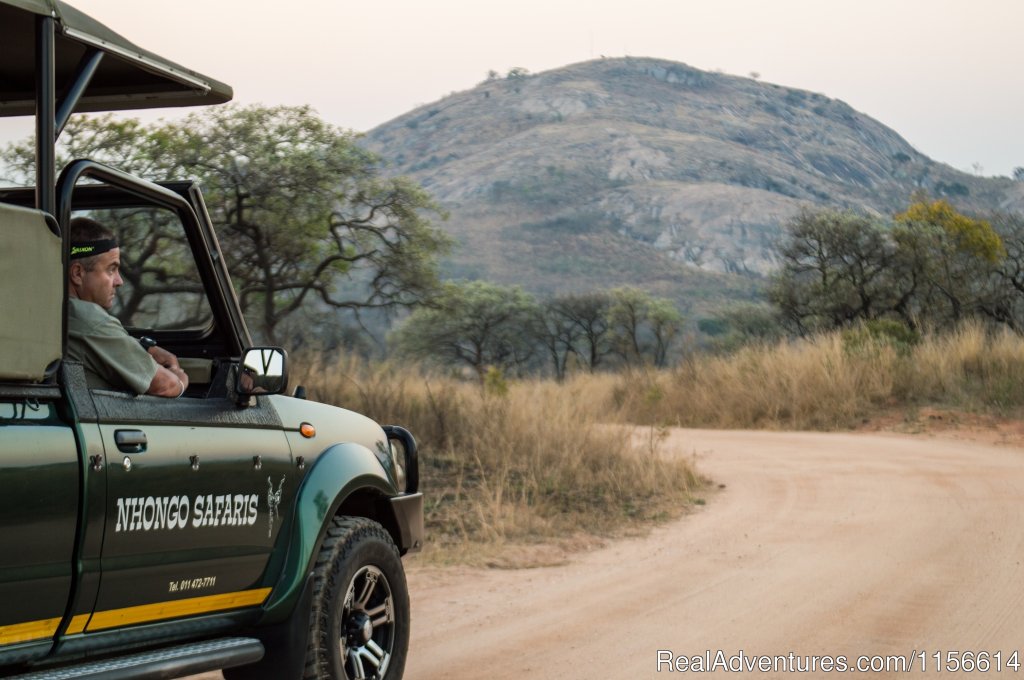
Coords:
pixel 273 501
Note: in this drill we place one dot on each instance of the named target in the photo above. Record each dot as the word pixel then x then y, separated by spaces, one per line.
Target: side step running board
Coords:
pixel 170 662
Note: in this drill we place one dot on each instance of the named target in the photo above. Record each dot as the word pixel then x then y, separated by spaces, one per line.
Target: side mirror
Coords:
pixel 264 370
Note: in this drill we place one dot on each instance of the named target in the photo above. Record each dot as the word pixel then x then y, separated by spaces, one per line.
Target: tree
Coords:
pixel 665 325
pixel 932 265
pixel 477 325
pixel 835 269
pixel 588 314
pixel 559 334
pixel 1018 174
pixel 299 207
pixel 1004 301
pixel 945 260
pixel 642 327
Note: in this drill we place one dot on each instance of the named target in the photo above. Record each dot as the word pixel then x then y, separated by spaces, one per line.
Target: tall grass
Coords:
pixel 830 381
pixel 973 369
pixel 531 461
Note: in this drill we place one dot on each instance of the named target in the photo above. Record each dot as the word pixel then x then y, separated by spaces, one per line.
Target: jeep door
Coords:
pixel 193 508
pixel 39 503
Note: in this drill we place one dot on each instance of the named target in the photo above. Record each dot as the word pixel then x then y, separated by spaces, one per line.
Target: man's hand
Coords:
pixel 248 383
pixel 163 357
pixel 170 380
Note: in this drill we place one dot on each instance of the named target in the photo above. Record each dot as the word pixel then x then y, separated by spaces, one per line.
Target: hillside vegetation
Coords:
pixel 651 173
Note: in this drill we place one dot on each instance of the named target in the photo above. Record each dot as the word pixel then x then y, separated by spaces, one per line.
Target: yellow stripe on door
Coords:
pixel 46 628
pixel 169 610
pixel 24 632
pixel 77 624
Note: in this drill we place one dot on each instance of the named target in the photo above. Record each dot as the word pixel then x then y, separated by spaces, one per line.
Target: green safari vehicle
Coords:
pixel 237 527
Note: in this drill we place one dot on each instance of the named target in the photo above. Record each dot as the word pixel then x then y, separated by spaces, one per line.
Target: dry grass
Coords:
pixel 528 463
pixel 828 382
pixel 971 369
pixel 520 472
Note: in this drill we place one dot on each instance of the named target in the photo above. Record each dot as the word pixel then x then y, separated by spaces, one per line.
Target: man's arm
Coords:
pixel 170 380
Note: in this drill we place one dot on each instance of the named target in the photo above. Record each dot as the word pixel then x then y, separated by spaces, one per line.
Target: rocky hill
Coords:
pixel 651 173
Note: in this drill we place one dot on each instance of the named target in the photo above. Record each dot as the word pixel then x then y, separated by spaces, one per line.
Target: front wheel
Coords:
pixel 359 624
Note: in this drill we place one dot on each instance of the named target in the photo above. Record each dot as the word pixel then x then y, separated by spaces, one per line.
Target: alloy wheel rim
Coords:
pixel 368 625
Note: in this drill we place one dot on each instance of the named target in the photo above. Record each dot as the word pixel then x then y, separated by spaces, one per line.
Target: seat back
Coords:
pixel 31 295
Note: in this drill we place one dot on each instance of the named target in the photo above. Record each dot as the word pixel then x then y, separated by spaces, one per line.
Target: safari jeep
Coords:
pixel 238 526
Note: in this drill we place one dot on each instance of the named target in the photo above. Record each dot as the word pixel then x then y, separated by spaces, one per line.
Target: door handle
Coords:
pixel 130 441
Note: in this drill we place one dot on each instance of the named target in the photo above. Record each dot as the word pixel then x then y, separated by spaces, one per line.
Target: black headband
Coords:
pixel 90 248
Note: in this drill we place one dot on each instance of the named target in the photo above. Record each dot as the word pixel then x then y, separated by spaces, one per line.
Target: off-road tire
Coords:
pixel 359 622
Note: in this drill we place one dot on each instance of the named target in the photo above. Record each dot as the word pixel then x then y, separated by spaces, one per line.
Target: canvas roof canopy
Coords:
pixel 128 77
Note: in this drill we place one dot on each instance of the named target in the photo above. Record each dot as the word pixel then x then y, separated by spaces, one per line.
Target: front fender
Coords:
pixel 338 472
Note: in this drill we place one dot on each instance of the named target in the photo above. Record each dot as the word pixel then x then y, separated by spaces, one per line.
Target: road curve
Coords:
pixel 818 545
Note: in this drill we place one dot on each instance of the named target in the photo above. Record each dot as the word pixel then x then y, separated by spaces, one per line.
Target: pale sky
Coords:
pixel 944 74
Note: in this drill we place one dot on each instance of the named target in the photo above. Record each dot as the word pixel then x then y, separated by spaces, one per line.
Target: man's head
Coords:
pixel 94 272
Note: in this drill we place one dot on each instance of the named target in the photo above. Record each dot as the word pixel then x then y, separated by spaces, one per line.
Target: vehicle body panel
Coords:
pixel 39 499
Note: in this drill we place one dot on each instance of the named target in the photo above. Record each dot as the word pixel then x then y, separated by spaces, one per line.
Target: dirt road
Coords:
pixel 819 544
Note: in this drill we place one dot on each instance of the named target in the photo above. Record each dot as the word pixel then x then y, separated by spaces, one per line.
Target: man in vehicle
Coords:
pixel 112 358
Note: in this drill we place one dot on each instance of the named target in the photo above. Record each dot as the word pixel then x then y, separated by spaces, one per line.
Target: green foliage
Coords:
pixel 476 325
pixel 871 335
pixel 742 324
pixel 493 330
pixel 626 324
pixel 834 270
pixel 642 327
pixel 304 208
pixel 944 264
pixel 575 326
pixel 713 327
pixel 931 266
pixel 1006 302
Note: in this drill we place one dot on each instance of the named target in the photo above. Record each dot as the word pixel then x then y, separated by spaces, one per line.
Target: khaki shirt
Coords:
pixel 112 358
